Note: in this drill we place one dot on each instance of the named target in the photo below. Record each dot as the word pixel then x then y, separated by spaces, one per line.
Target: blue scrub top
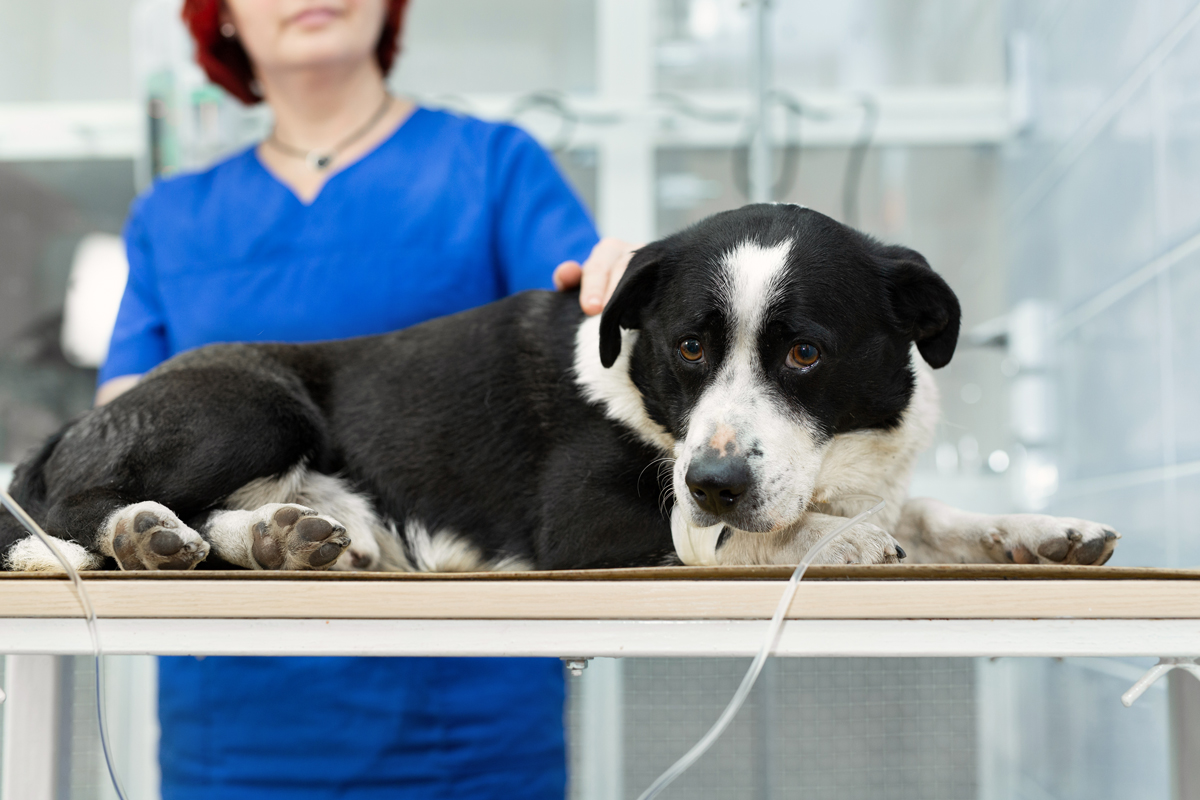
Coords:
pixel 446 214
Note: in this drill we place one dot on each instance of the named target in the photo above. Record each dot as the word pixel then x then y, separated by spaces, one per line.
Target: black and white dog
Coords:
pixel 751 377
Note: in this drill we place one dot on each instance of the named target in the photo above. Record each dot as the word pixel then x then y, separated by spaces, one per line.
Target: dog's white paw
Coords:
pixel 149 536
pixel 862 544
pixel 1042 539
pixel 289 536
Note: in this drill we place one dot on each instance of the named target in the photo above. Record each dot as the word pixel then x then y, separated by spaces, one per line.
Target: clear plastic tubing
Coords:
pixel 656 788
pixel 743 691
pixel 89 614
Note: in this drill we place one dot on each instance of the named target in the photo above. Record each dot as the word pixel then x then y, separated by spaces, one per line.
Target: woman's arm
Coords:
pixel 139 338
pixel 540 216
pixel 539 222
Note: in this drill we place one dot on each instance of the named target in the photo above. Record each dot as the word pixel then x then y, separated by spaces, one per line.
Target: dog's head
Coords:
pixel 765 332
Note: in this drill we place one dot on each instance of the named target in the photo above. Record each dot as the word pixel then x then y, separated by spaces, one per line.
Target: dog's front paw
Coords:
pixel 862 544
pixel 1041 539
pixel 149 536
pixel 289 536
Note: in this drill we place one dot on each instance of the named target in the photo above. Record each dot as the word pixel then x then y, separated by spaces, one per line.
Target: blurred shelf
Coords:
pixel 69 131
pixel 978 115
pixel 946 116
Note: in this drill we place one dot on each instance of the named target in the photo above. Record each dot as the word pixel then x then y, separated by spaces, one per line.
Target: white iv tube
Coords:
pixel 743 690
pixel 89 614
pixel 664 780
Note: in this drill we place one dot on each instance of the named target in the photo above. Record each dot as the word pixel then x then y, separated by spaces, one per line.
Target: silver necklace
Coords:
pixel 320 160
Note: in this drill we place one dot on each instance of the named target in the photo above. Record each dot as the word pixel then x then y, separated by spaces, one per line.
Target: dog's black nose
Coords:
pixel 717 484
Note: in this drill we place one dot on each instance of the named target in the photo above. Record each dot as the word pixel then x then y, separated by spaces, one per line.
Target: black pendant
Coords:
pixel 319 161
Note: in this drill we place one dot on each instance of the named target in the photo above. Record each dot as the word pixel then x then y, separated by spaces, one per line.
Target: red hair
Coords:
pixel 227 64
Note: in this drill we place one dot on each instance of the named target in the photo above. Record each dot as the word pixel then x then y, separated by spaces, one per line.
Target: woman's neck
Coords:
pixel 316 110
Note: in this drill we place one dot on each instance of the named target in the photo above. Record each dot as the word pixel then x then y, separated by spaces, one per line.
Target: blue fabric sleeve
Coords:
pixel 139 340
pixel 539 221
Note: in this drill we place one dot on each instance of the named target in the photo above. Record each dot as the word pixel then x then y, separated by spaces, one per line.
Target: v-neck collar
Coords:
pixel 404 125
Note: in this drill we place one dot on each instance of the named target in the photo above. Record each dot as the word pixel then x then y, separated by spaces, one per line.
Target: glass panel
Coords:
pixel 838 728
pixel 65 51
pixel 705 44
pixel 462 46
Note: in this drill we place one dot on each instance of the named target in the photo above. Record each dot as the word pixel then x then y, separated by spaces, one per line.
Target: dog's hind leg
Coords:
pixel 374 544
pixel 276 536
pixel 99 523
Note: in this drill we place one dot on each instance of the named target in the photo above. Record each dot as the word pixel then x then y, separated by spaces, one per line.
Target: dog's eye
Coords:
pixel 691 350
pixel 803 355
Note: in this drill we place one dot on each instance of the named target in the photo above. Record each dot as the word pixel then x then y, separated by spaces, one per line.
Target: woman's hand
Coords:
pixel 115 387
pixel 598 277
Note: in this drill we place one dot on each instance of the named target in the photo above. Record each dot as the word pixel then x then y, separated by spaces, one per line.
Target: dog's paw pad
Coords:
pixel 149 536
pixel 294 537
pixel 1056 549
pixel 1040 539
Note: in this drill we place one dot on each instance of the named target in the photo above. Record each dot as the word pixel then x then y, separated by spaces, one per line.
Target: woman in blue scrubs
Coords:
pixel 359 214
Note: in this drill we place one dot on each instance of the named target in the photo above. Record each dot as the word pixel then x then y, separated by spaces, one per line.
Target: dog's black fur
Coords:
pixel 475 422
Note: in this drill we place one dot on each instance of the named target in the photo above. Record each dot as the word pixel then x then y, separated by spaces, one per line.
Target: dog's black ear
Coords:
pixel 625 307
pixel 924 305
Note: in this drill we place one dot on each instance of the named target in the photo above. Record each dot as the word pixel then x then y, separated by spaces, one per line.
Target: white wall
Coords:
pixel 64 50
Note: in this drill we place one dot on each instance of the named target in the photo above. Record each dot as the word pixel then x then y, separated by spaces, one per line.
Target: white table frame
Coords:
pixel 606 638
pixel 705 617
pixel 592 616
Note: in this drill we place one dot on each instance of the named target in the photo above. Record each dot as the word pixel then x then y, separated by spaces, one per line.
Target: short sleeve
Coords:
pixel 139 339
pixel 540 222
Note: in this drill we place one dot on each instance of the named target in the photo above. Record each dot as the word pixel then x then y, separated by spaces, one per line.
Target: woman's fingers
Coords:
pixel 567 275
pixel 615 274
pixel 597 278
pixel 595 274
pixel 112 388
pixel 601 273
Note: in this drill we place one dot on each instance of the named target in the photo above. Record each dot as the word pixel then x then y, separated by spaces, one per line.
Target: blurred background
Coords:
pixel 1044 155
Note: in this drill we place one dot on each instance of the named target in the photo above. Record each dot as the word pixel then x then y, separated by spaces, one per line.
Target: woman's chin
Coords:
pixel 317 51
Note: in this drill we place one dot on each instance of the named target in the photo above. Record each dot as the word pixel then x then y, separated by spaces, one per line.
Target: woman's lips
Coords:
pixel 314 17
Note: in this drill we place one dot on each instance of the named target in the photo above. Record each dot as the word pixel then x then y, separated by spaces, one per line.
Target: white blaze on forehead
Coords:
pixel 740 412
pixel 752 280
pixel 731 412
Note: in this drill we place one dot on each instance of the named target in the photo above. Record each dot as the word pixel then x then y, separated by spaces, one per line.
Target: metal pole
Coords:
pixel 625 181
pixel 762 181
pixel 602 734
pixel 31 740
pixel 767 729
pixel 761 171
